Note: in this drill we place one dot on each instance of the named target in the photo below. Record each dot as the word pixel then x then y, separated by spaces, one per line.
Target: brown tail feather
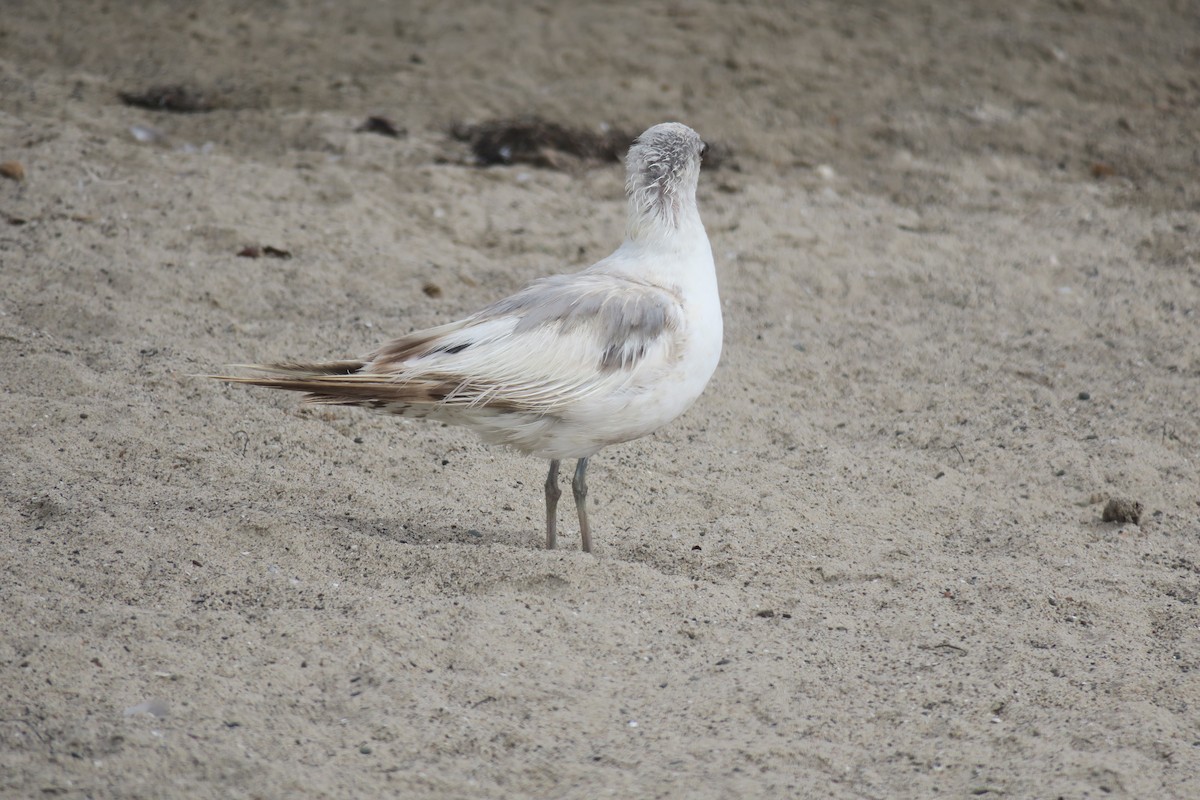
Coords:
pixel 297 370
pixel 340 383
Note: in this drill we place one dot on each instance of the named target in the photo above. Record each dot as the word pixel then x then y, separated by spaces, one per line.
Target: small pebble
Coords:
pixel 12 170
pixel 145 134
pixel 1085 396
pixel 153 708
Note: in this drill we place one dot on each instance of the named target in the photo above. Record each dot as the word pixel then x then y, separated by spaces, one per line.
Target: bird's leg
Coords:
pixel 552 495
pixel 579 487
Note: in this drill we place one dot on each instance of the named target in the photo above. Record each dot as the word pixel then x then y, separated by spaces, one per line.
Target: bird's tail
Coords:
pixel 322 381
pixel 342 383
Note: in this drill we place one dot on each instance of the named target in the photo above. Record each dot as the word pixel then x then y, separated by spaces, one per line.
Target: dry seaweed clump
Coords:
pixel 175 99
pixel 382 126
pixel 1120 509
pixel 539 142
pixel 542 143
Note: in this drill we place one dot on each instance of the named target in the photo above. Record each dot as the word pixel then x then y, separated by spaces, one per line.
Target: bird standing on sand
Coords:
pixel 571 363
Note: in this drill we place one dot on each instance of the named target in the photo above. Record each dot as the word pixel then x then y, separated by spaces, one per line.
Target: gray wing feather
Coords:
pixel 626 316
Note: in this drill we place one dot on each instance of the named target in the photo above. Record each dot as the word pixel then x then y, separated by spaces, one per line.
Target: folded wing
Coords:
pixel 557 342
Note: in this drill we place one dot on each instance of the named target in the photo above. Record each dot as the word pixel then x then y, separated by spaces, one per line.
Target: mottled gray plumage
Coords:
pixel 625 316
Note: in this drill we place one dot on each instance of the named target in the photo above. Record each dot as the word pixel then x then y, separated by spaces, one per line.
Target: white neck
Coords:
pixel 680 253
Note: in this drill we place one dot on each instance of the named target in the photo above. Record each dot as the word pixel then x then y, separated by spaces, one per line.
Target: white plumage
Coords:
pixel 571 363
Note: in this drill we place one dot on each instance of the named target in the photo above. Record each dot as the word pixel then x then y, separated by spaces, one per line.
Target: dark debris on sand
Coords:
pixel 1121 509
pixel 382 126
pixel 550 145
pixel 172 98
pixel 256 251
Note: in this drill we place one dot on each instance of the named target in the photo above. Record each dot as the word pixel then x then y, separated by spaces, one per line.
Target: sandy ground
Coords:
pixel 960 262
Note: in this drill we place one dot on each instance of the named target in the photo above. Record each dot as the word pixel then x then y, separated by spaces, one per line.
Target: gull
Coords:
pixel 571 363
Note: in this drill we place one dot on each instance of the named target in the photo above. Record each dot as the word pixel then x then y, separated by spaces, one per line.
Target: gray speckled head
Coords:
pixel 663 167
